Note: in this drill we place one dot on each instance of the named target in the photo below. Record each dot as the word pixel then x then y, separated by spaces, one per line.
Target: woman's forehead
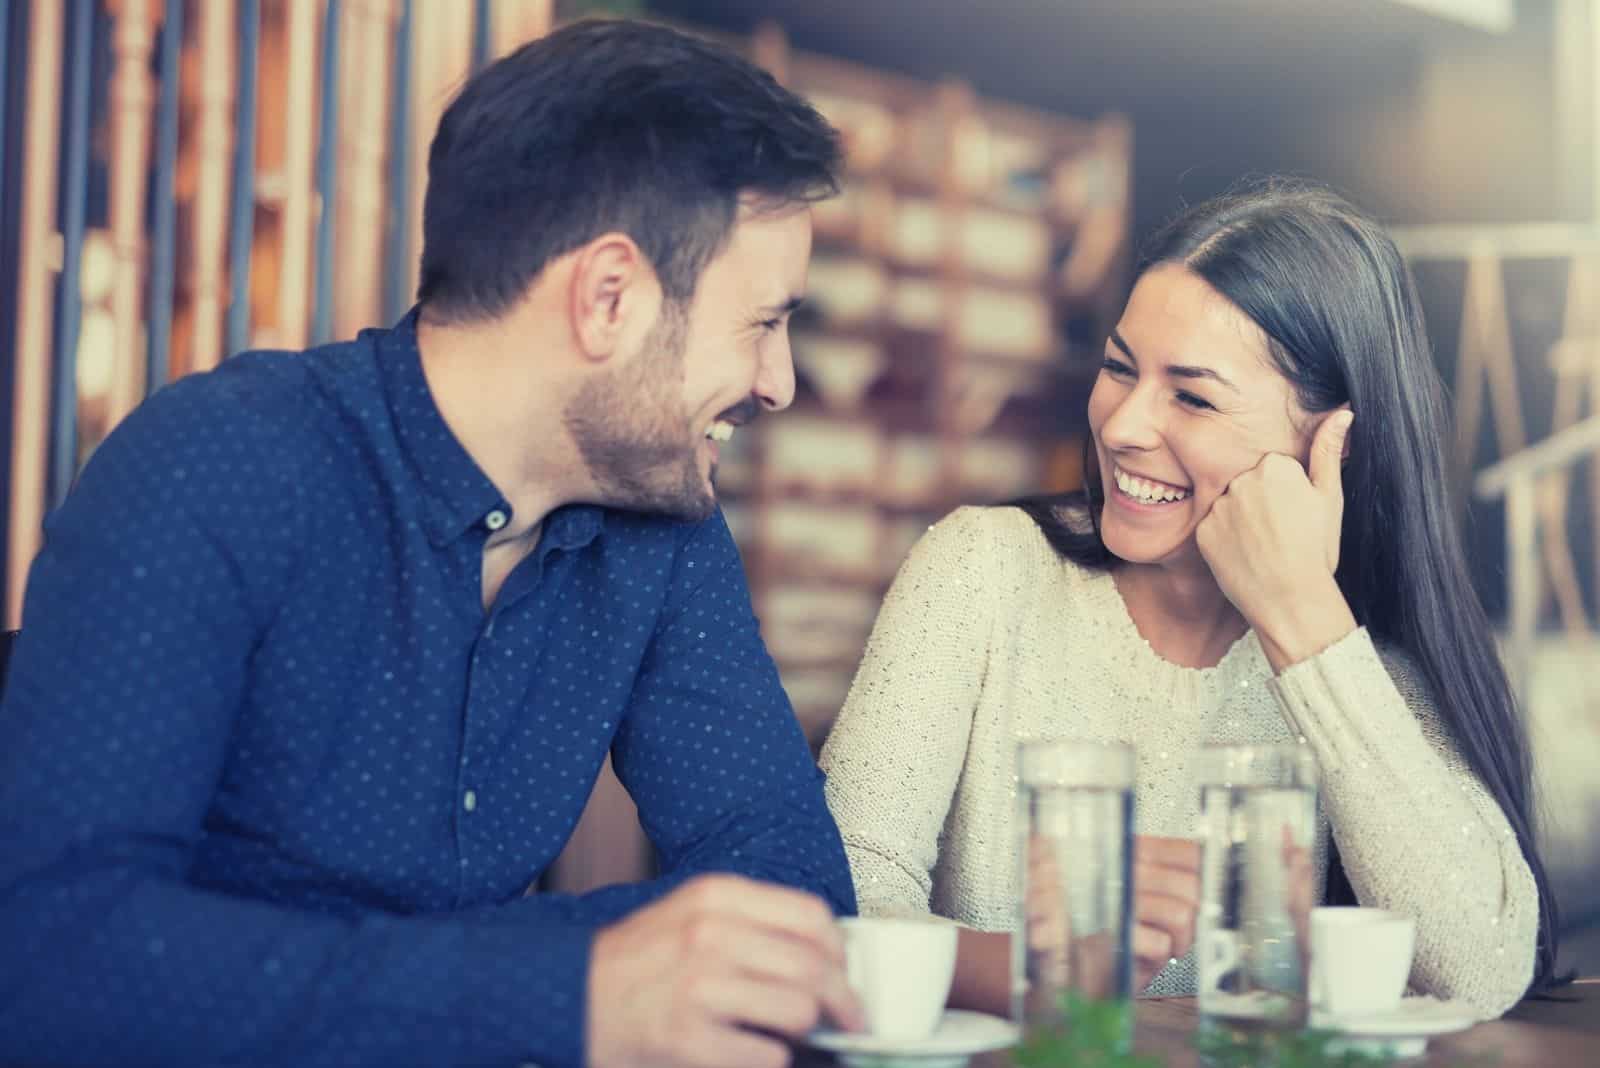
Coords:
pixel 1174 317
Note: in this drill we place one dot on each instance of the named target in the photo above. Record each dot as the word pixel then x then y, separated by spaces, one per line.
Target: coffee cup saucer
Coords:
pixel 959 1035
pixel 1400 1032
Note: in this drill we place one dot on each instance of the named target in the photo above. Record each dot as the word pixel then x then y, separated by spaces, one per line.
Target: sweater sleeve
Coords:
pixel 1417 831
pixel 897 749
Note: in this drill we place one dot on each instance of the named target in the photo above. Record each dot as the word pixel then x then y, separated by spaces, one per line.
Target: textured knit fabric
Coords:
pixel 989 636
pixel 273 783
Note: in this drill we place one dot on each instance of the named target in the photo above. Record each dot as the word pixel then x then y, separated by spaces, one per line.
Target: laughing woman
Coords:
pixel 1264 553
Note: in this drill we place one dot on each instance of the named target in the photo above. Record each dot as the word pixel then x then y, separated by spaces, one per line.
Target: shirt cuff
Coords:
pixel 1341 702
pixel 535 990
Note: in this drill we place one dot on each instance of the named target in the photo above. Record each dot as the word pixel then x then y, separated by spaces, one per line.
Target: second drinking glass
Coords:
pixel 1258 815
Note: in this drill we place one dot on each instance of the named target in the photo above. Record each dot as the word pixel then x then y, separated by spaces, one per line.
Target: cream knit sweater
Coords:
pixel 988 636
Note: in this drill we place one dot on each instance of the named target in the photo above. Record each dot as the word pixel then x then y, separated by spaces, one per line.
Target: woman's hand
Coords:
pixel 1057 959
pixel 1272 543
pixel 1301 894
pixel 1166 889
pixel 1166 906
pixel 1045 922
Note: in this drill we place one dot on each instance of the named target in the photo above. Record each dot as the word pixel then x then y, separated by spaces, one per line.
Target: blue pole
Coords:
pixel 482 25
pixel 5 53
pixel 164 224
pixel 69 293
pixel 242 220
pixel 398 252
pixel 327 178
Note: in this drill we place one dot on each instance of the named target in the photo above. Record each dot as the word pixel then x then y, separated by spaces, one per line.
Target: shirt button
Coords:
pixel 469 800
pixel 495 519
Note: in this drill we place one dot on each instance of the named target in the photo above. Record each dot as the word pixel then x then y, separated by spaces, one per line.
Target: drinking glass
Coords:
pixel 1257 813
pixel 1075 826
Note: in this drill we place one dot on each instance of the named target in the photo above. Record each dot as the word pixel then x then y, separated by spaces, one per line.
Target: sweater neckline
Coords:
pixel 1239 657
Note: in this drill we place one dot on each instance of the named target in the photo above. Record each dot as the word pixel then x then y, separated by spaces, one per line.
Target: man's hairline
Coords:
pixel 749 204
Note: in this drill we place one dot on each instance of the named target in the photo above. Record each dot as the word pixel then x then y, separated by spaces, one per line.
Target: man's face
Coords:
pixel 649 428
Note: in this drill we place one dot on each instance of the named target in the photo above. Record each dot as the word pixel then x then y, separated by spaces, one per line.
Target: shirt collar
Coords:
pixel 572 527
pixel 459 496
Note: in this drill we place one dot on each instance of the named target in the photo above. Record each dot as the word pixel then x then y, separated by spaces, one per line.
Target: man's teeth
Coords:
pixel 1148 492
pixel 720 431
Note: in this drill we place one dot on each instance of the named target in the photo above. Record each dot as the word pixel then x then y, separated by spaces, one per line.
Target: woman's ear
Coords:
pixel 1317 422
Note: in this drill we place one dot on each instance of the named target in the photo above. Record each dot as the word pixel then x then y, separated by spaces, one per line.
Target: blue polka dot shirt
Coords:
pixel 273 784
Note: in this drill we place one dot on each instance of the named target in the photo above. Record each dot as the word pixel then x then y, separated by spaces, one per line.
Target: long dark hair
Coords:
pixel 1340 311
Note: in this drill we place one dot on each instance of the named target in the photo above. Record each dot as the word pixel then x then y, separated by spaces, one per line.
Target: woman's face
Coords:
pixel 1186 400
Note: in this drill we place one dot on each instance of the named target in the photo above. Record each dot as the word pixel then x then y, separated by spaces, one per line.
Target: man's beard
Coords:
pixel 633 433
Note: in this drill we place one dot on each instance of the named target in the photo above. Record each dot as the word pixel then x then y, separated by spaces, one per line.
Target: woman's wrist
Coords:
pixel 982 980
pixel 1301 626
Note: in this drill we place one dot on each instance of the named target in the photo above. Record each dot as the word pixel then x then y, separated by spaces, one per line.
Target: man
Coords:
pixel 323 653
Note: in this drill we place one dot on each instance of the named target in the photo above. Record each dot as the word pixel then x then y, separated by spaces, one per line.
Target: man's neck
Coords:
pixel 507 413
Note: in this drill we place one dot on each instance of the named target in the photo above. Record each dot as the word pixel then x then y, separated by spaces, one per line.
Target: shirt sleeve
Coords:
pixel 141 615
pixel 1417 831
pixel 899 745
pixel 711 750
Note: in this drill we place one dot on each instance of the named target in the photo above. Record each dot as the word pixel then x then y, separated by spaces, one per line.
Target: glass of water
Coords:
pixel 1072 949
pixel 1258 808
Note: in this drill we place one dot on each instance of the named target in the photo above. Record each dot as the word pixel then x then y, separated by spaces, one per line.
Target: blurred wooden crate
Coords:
pixel 934 362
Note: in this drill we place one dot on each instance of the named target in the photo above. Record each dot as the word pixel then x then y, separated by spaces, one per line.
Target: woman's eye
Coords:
pixel 1116 367
pixel 1185 397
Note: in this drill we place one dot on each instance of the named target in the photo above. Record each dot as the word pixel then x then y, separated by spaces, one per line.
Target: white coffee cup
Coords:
pixel 1360 960
pixel 901 970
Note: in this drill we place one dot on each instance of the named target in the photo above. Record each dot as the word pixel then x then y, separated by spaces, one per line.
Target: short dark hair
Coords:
pixel 601 126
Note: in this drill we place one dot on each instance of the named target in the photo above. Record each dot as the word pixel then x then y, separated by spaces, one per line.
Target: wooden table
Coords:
pixel 1536 1034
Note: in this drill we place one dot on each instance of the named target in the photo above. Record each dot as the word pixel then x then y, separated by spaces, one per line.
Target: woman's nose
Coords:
pixel 1133 423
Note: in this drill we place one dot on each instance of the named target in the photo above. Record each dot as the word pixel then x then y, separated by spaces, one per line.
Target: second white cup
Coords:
pixel 901 970
pixel 1360 960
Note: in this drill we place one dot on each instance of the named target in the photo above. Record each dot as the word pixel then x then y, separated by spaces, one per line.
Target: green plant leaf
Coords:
pixel 1282 1049
pixel 1096 1034
pixel 1089 1034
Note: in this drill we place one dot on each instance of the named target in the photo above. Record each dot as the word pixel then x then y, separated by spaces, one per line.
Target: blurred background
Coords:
pixel 180 181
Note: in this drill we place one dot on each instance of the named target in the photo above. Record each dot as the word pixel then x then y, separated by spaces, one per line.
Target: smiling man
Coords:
pixel 323 654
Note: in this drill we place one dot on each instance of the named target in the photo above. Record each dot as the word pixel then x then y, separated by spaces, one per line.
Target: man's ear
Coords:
pixel 611 282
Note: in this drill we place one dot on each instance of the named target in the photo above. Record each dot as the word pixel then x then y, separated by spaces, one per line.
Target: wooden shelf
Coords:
pixel 845 665
pixel 905 184
pixel 789 493
pixel 909 379
pixel 835 242
pixel 804 572
pixel 912 345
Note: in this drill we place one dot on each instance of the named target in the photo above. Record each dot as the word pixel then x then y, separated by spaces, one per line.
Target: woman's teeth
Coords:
pixel 720 431
pixel 1145 491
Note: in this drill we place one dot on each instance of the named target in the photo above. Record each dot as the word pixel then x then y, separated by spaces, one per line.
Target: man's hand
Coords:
pixel 715 975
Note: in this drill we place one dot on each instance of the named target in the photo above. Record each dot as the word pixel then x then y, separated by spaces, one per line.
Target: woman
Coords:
pixel 1264 552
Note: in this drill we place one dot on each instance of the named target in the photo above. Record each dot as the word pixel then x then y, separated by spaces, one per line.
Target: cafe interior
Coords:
pixel 184 180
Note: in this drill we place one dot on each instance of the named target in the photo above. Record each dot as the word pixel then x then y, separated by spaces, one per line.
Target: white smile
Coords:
pixel 720 431
pixel 1146 491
